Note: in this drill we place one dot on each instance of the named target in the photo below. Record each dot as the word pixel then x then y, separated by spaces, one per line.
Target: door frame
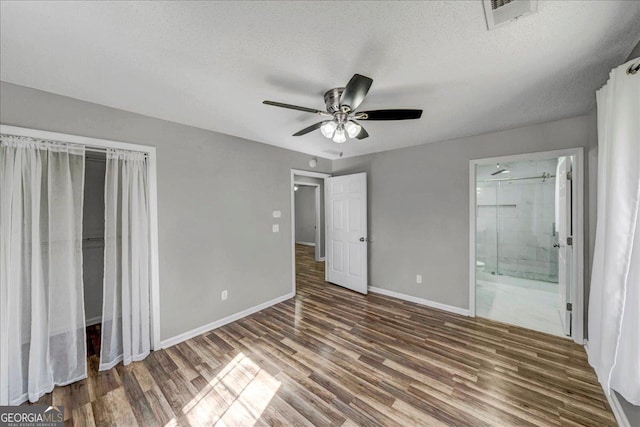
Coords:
pixel 310 174
pixel 577 285
pixel 316 207
pixel 150 151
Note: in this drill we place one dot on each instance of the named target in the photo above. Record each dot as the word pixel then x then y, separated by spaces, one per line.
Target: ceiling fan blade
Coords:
pixel 363 133
pixel 310 128
pixel 296 107
pixel 355 91
pixel 389 115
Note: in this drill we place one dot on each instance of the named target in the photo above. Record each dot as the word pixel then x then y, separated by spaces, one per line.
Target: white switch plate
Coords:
pixel 277 214
pixel 224 295
pixel 275 228
pixel 419 278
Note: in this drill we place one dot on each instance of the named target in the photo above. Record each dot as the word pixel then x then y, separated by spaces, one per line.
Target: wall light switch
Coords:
pixel 277 214
pixel 275 228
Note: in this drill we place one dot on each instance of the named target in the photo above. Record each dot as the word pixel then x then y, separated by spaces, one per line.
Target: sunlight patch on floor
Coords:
pixel 237 395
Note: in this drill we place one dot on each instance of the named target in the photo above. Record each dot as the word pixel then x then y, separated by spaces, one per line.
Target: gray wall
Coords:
pixel 320 182
pixel 419 205
pixel 635 53
pixel 214 226
pixel 305 211
pixel 93 235
pixel 631 411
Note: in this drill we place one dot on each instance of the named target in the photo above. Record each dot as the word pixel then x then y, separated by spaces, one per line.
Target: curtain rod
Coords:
pixel 86 147
pixel 104 150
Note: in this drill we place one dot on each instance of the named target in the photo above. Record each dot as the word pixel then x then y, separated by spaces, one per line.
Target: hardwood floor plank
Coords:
pixel 83 416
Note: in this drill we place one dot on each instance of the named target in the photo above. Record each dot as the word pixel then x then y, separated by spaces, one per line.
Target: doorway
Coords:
pixel 307 227
pixel 526 241
pixel 309 215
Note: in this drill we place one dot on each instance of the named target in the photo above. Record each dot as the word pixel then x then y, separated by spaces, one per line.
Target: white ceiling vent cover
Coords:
pixel 499 12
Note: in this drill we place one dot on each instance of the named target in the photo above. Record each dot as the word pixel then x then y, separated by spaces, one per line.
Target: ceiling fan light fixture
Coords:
pixel 339 136
pixel 353 129
pixel 328 129
pixel 342 111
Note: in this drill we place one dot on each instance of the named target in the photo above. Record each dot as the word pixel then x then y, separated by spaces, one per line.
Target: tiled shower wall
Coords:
pixel 515 221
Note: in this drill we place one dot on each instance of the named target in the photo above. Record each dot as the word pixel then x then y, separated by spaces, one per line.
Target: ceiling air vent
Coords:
pixel 499 12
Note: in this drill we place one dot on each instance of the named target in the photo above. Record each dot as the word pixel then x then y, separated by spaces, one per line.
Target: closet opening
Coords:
pixel 88 242
pixel 93 246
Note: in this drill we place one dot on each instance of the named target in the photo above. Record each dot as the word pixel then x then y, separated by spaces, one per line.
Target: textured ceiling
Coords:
pixel 210 64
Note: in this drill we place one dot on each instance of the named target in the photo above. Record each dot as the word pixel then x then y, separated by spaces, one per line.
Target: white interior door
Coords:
pixel 565 249
pixel 346 239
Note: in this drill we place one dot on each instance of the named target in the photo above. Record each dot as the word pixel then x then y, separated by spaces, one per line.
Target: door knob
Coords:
pixel 556 245
pixel 363 239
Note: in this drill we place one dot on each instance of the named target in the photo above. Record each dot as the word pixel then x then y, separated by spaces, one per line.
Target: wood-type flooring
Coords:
pixel 330 356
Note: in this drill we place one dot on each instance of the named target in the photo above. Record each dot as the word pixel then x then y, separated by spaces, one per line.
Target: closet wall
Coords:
pixel 93 236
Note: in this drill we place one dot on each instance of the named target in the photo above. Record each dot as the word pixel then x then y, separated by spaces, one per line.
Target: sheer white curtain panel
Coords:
pixel 614 301
pixel 42 325
pixel 125 328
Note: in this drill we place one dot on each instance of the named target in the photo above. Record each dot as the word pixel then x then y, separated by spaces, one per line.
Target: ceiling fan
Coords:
pixel 341 103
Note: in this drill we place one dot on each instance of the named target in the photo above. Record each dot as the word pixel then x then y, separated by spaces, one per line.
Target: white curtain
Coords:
pixel 125 312
pixel 614 302
pixel 42 326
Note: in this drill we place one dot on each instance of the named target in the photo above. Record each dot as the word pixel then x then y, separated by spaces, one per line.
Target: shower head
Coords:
pixel 500 170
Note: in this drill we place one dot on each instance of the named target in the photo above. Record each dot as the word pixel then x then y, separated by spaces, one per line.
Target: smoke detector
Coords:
pixel 499 12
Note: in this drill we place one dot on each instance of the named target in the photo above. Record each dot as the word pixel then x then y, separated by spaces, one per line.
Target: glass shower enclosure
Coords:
pixel 516 221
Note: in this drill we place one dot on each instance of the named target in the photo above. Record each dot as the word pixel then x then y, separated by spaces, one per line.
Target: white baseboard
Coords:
pixel 614 402
pixel 218 323
pixel 306 243
pixel 422 301
pixel 93 321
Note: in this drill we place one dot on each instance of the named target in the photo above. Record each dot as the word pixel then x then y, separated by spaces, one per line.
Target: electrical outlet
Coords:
pixel 275 228
pixel 419 278
pixel 224 295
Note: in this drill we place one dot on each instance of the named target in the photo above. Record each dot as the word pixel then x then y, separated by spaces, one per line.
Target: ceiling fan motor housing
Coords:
pixel 332 99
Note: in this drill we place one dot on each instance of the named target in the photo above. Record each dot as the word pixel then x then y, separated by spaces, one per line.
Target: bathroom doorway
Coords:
pixel 526 220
